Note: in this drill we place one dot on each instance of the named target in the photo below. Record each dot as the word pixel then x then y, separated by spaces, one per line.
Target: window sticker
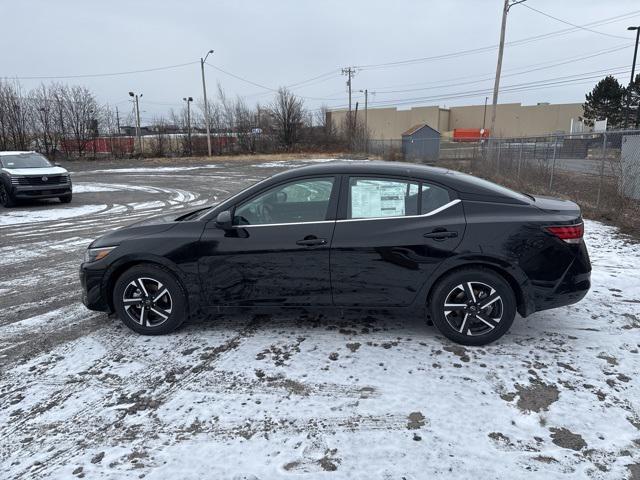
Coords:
pixel 383 199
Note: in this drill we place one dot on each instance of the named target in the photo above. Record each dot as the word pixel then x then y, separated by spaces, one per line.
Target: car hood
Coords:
pixel 167 217
pixel 35 171
pixel 149 226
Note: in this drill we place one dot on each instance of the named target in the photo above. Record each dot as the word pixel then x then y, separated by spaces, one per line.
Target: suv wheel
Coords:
pixel 149 300
pixel 5 197
pixel 473 306
pixel 66 198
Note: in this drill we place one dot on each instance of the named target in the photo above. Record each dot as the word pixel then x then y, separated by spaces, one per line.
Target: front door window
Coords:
pixel 301 201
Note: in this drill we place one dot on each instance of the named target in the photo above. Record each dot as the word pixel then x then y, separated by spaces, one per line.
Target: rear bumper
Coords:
pixel 40 191
pixel 570 291
pixel 92 292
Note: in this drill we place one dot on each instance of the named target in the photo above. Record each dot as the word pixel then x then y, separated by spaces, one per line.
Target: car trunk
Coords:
pixel 557 205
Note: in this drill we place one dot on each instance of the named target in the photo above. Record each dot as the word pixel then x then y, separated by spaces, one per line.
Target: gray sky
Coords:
pixel 284 42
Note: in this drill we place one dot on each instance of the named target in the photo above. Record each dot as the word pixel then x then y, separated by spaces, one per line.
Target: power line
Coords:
pixel 525 86
pixel 238 77
pixel 94 75
pixel 489 48
pixel 573 24
pixel 246 80
pixel 488 76
pixel 576 79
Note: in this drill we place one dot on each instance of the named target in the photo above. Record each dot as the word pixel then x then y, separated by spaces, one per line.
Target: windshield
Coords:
pixel 24 160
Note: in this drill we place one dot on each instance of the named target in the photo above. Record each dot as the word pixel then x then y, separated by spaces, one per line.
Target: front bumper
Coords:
pixel 91 280
pixel 41 191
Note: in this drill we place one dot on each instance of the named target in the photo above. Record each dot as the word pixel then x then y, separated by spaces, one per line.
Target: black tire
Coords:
pixel 6 200
pixel 151 322
pixel 66 198
pixel 466 321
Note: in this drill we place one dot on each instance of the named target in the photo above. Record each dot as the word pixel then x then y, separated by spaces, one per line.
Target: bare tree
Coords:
pixel 15 116
pixel 287 111
pixel 161 145
pixel 81 116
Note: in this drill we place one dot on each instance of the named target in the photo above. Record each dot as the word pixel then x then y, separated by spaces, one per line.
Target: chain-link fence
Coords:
pixel 600 171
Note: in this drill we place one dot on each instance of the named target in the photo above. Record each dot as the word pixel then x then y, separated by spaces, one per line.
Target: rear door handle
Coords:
pixel 310 242
pixel 441 234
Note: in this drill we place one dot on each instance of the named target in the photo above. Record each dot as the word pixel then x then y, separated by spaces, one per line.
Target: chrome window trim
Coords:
pixel 428 214
pixel 283 224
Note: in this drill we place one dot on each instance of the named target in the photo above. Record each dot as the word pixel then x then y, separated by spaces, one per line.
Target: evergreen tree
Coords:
pixel 606 100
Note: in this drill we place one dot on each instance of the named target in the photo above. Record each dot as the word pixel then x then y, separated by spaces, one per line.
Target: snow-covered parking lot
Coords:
pixel 297 394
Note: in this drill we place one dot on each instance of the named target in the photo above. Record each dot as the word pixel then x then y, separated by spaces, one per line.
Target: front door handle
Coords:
pixel 311 241
pixel 441 234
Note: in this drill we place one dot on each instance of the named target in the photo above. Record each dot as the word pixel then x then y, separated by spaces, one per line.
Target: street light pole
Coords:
pixel 366 107
pixel 633 71
pixel 206 105
pixel 189 100
pixel 138 133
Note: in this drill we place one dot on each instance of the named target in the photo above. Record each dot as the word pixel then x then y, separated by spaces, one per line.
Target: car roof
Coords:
pixel 369 167
pixel 455 180
pixel 15 152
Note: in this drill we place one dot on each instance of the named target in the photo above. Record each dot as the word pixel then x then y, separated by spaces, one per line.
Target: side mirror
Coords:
pixel 56 164
pixel 224 220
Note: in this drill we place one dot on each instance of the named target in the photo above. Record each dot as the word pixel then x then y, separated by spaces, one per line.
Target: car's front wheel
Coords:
pixel 473 306
pixel 66 198
pixel 150 300
pixel 6 200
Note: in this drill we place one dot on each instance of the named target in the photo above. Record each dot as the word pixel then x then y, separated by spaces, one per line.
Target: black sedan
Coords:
pixel 466 251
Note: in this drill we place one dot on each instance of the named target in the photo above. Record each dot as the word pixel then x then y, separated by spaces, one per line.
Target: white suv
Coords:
pixel 25 175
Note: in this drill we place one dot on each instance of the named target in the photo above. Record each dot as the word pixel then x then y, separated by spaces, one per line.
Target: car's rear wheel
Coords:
pixel 150 300
pixel 473 306
pixel 66 198
pixel 6 200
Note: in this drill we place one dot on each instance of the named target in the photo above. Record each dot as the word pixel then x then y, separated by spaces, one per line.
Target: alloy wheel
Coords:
pixel 473 308
pixel 147 302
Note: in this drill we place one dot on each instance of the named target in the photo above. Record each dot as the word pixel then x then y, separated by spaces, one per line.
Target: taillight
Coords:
pixel 567 233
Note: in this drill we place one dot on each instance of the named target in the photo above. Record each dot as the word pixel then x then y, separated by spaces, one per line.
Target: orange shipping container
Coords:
pixel 469 134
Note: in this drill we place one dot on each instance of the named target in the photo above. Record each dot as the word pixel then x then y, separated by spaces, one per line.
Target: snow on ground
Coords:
pixel 299 394
pixel 315 395
pixel 94 187
pixel 155 170
pixel 47 214
pixel 298 163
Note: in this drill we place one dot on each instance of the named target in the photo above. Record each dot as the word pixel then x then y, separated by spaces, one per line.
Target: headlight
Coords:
pixel 95 254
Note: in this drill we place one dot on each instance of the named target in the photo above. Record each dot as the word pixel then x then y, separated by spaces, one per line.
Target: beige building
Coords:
pixel 512 119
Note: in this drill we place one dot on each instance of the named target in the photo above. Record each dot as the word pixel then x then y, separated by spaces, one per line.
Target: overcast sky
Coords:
pixel 285 42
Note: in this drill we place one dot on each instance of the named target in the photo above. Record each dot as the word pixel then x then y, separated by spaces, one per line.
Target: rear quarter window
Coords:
pixel 491 188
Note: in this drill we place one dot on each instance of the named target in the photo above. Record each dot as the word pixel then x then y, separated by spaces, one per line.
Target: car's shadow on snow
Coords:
pixel 381 323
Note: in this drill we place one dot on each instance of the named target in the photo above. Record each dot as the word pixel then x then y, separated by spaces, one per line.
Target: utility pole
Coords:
pixel 206 105
pixel 633 71
pixel 118 121
pixel 496 86
pixel 138 133
pixel 189 100
pixel 484 115
pixel 349 72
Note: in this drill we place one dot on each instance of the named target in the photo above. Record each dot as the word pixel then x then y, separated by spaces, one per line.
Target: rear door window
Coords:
pixel 433 197
pixel 371 197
